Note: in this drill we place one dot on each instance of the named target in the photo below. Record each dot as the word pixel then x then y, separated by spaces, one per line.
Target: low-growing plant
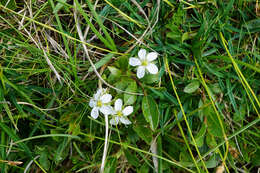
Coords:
pixel 129 86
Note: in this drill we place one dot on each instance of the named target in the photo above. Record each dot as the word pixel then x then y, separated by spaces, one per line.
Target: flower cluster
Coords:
pixel 101 102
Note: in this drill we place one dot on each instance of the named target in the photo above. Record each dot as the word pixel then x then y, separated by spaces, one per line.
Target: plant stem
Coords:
pixel 154 151
pixel 105 146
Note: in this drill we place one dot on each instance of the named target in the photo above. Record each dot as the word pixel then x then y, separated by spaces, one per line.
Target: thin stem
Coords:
pixel 105 146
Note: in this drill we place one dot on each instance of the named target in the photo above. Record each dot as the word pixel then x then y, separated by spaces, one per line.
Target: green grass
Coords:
pixel 202 109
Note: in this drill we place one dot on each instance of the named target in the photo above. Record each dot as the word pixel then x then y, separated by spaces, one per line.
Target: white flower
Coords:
pixel 100 102
pixel 120 114
pixel 144 62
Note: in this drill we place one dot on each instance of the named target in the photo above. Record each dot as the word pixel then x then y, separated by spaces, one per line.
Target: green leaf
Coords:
pixel 212 162
pixel 187 35
pixel 215 88
pixel 144 169
pixel 114 71
pixel 199 138
pixel 213 124
pixel 192 87
pixel 59 6
pixel 256 158
pixel 130 99
pixel 131 158
pixel 211 141
pixel 144 133
pixel 123 63
pixel 122 84
pixel 102 62
pixel 240 115
pixel 151 78
pixel 150 111
pixel 44 160
pixel 253 25
pixel 7 109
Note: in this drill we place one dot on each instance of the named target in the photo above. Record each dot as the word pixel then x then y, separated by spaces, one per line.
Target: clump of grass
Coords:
pixel 199 113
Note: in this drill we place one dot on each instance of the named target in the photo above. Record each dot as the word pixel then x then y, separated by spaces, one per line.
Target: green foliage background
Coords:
pixel 202 108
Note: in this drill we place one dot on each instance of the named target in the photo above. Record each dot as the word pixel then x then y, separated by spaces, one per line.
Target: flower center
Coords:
pixel 99 103
pixel 144 63
pixel 119 113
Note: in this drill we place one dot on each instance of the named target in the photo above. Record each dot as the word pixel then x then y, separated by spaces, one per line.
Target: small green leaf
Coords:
pixel 199 138
pixel 122 85
pixel 192 87
pixel 256 158
pixel 240 115
pixel 151 78
pixel 144 133
pixel 130 99
pixel 215 88
pixel 212 162
pixel 131 158
pixel 143 169
pixel 187 35
pixel 213 124
pixel 211 141
pixel 59 6
pixel 123 63
pixel 150 111
pixel 44 160
pixel 102 62
pixel 114 71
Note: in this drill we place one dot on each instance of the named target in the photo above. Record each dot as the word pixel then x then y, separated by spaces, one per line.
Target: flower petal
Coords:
pixel 142 54
pixel 106 98
pixel 118 105
pixel 125 121
pixel 98 94
pixel 106 110
pixel 140 72
pixel 94 112
pixel 134 62
pixel 152 68
pixel 92 103
pixel 114 121
pixel 152 56
pixel 128 110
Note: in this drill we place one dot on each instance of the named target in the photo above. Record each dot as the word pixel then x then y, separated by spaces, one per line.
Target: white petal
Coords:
pixel 107 110
pixel 98 94
pixel 152 68
pixel 152 56
pixel 134 62
pixel 125 121
pixel 140 72
pixel 114 121
pixel 142 54
pixel 92 103
pixel 106 98
pixel 118 105
pixel 94 113
pixel 128 110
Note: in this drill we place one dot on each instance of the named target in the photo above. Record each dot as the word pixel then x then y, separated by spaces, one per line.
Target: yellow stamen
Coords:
pixel 119 113
pixel 144 63
pixel 99 103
